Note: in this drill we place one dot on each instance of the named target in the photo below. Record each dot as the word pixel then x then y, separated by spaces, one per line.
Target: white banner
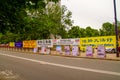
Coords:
pixel 45 42
pixel 66 41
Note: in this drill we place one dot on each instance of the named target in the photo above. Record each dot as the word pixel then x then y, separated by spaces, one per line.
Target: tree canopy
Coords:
pixel 39 19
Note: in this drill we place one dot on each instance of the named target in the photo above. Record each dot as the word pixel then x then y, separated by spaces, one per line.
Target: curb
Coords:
pixel 87 57
pixel 110 59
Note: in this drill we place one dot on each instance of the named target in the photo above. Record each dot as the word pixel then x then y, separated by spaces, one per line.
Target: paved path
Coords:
pixel 47 67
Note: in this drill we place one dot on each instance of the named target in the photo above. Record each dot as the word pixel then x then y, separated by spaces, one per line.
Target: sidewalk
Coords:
pixel 109 56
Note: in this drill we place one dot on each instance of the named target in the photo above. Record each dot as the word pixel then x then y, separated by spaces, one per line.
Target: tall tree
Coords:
pixel 12 11
pixel 66 17
pixel 91 32
pixel 13 16
pixel 107 29
pixel 74 32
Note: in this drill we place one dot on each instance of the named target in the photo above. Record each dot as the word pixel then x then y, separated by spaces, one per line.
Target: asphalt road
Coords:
pixel 46 67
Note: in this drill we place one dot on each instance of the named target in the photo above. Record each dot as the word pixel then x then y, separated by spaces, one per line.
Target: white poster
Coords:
pixel 89 51
pixel 43 50
pixel 48 51
pixel 35 50
pixel 101 52
pixel 67 50
pixel 75 51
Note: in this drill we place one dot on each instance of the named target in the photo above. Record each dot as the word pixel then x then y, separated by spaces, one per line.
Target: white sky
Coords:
pixel 92 12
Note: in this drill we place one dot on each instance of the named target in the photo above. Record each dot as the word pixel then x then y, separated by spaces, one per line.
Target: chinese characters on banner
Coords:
pixel 107 41
pixel 45 42
pixel 29 44
pixel 89 51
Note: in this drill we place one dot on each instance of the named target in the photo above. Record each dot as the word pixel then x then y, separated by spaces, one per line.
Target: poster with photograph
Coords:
pixel 47 51
pixel 67 50
pixel 59 49
pixel 75 51
pixel 101 52
pixel 89 51
pixel 43 50
pixel 35 50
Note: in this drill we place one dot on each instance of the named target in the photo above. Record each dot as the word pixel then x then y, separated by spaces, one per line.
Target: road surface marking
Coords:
pixel 65 66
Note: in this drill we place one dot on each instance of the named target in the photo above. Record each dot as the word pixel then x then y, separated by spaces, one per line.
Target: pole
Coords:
pixel 116 28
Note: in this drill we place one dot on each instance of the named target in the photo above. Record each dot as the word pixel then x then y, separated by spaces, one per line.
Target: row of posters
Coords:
pixel 100 51
pixel 44 42
pixel 75 50
pixel 46 50
pixel 107 41
pixel 43 50
pixel 89 51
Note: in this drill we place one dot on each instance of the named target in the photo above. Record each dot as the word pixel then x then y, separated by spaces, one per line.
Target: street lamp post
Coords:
pixel 116 28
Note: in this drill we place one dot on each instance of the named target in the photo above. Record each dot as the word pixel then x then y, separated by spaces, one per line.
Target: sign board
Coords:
pixel 75 51
pixel 45 42
pixel 89 51
pixel 29 44
pixel 107 41
pixel 19 44
pixel 67 50
pixel 75 41
pixel 12 44
pixel 101 52
pixel 35 50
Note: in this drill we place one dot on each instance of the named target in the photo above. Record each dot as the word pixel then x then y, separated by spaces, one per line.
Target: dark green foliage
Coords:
pixel 16 24
pixel 107 29
pixel 31 20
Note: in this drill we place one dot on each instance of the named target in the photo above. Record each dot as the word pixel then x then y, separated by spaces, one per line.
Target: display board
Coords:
pixel 107 41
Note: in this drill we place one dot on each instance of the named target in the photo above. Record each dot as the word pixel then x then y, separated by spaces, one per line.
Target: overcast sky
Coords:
pixel 92 12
